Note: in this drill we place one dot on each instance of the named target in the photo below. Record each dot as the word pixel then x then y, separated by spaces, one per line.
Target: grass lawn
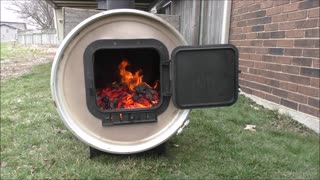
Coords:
pixel 10 49
pixel 36 144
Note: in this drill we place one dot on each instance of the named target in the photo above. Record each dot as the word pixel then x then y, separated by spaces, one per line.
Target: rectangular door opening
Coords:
pixel 127 78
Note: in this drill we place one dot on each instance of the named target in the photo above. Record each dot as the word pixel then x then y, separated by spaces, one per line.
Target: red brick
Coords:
pixel 282 76
pixel 244 56
pixel 309 91
pixel 246 90
pixel 289 104
pixel 277 34
pixel 297 15
pixel 300 80
pixel 272 98
pixel 271 27
pixel 258 93
pixel 283 59
pixel 246 50
pixel 290 69
pixel 246 63
pixel 315 82
pixel 254 7
pixel 270 43
pixel 302 62
pixel 314 102
pixel 262 20
pixel 237 30
pixel 239 4
pixel 295 33
pixel 241 23
pixel 310 43
pixel 281 2
pixel 248 2
pixel 255 57
pixel 276 51
pixel 260 72
pixel 293 52
pixel 267 58
pixel 312 33
pixel 266 4
pixel 287 25
pixel 251 36
pixel 237 37
pixel 312 72
pixel 242 10
pixel 272 82
pixel 246 29
pixel 285 43
pixel 316 63
pixel 274 10
pixel 307 4
pixel 280 93
pixel 309 110
pixel 257 86
pixel 261 51
pixel 311 53
pixel 260 65
pixel 312 13
pixel 256 43
pixel 297 97
pixel 291 7
pixel 279 18
pixel 274 67
pixel 310 23
pixel 289 86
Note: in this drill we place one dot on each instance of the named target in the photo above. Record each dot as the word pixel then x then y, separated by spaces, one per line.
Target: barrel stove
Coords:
pixel 124 80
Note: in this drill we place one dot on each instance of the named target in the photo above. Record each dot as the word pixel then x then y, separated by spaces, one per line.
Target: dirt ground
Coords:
pixel 16 66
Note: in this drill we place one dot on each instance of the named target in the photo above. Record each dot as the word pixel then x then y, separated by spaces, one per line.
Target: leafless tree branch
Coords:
pixel 36 12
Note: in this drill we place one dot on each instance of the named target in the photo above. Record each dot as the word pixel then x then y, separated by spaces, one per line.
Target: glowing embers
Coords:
pixel 130 93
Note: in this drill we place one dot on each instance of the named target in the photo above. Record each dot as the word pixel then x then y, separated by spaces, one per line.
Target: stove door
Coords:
pixel 205 76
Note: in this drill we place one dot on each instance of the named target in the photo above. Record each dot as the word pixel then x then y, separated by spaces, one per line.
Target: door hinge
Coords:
pixel 165 63
pixel 168 90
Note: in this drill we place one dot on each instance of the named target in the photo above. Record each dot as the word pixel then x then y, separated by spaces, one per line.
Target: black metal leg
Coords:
pixel 159 150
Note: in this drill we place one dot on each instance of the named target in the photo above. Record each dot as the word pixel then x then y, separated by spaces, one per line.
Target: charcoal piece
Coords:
pixel 136 98
pixel 106 99
pixel 149 96
pixel 141 88
pixel 153 92
pixel 114 103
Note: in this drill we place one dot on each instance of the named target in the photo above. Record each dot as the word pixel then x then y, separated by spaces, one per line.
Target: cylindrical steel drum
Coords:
pixel 68 83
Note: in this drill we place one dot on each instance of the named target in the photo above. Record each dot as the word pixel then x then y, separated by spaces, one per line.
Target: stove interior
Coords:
pixel 126 78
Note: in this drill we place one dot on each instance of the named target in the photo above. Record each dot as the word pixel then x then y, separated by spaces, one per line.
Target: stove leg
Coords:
pixel 159 150
pixel 94 152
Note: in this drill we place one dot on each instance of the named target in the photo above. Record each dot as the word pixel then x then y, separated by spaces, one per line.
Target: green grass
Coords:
pixel 36 144
pixel 9 50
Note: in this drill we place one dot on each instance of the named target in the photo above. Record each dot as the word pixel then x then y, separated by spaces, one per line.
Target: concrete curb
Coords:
pixel 309 121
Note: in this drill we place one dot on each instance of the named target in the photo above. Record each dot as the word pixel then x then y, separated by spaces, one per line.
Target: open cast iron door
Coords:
pixel 205 76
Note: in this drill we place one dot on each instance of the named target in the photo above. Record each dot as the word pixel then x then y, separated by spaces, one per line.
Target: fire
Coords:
pixel 132 80
pixel 131 92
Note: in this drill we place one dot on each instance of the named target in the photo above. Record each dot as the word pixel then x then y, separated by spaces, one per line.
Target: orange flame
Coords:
pixel 132 80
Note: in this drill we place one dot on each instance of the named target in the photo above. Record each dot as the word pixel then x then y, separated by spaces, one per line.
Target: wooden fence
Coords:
pixel 38 37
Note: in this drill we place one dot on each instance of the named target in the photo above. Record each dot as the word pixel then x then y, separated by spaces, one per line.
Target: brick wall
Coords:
pixel 278 42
